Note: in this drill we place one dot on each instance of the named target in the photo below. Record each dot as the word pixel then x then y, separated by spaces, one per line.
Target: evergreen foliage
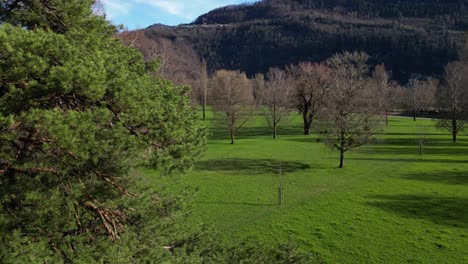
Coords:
pixel 78 111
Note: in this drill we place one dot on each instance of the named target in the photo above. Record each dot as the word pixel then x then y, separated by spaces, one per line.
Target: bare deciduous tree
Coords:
pixel 382 89
pixel 203 87
pixel 420 95
pixel 351 109
pixel 98 8
pixel 177 62
pixel 311 83
pixel 277 98
pixel 258 88
pixel 232 99
pixel 453 97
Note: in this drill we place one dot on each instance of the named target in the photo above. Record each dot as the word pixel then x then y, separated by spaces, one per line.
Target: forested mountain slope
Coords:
pixel 412 37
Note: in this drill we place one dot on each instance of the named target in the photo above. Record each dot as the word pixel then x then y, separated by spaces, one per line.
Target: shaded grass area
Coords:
pixel 250 166
pixel 389 204
pixel 442 177
pixel 450 211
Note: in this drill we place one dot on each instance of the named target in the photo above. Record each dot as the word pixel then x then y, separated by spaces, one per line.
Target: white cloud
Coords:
pixel 131 12
pixel 187 9
pixel 170 6
pixel 116 8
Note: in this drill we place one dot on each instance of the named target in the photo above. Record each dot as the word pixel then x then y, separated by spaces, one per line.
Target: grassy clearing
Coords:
pixel 389 205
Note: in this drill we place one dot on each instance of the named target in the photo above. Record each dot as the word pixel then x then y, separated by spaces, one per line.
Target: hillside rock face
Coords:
pixel 412 37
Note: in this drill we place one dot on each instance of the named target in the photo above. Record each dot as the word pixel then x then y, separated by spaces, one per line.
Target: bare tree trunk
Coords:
pixel 414 114
pixel 205 98
pixel 232 136
pixel 305 117
pixel 386 116
pixel 306 124
pixel 204 109
pixel 204 86
pixel 306 130
pixel 274 120
pixel 454 129
pixel 341 159
pixel 342 149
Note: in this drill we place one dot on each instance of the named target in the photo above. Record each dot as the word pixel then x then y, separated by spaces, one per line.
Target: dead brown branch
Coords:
pixel 111 220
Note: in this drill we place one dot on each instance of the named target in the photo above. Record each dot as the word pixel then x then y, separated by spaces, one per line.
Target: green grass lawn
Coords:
pixel 388 205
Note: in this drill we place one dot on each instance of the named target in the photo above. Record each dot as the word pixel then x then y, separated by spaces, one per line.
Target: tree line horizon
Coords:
pixel 349 99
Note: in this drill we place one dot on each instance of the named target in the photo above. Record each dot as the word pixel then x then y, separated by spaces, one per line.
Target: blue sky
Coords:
pixel 143 13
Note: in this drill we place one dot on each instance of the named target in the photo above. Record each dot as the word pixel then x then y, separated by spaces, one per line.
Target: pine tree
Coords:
pixel 78 112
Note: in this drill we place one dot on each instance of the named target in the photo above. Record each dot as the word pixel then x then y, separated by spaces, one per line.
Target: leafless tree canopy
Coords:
pixel 232 99
pixel 178 63
pixel 382 88
pixel 258 88
pixel 98 8
pixel 350 106
pixel 311 84
pixel 453 97
pixel 277 97
pixel 200 90
pixel 420 95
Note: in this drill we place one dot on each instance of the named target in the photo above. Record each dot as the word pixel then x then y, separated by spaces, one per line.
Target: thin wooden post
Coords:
pixel 280 196
pixel 280 188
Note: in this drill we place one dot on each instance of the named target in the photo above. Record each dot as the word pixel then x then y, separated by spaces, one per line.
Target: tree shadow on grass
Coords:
pixel 427 141
pixel 411 134
pixel 237 203
pixel 412 160
pixel 408 150
pixel 449 211
pixel 220 133
pixel 251 166
pixel 306 139
pixel 407 145
pixel 448 177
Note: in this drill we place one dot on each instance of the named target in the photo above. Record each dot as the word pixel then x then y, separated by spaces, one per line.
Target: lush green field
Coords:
pixel 389 205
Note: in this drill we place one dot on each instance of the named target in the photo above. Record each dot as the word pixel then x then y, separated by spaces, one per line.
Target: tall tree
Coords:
pixel 420 95
pixel 350 104
pixel 382 88
pixel 203 89
pixel 78 112
pixel 311 84
pixel 258 88
pixel 453 97
pixel 232 99
pixel 277 98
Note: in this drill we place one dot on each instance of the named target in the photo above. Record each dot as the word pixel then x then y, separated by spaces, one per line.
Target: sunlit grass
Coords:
pixel 388 205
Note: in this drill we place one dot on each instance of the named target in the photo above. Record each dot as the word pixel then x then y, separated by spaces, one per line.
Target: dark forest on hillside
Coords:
pixel 412 38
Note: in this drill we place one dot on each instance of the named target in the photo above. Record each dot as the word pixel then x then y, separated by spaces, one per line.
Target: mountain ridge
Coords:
pixel 274 33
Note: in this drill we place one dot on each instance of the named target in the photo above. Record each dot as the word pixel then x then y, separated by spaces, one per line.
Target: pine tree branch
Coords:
pixel 109 179
pixel 8 167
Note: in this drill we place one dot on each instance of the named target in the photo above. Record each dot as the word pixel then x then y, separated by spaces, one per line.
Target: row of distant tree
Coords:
pixel 307 88
pixel 349 100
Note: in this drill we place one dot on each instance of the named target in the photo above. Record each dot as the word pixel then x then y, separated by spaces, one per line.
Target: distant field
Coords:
pixel 389 205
